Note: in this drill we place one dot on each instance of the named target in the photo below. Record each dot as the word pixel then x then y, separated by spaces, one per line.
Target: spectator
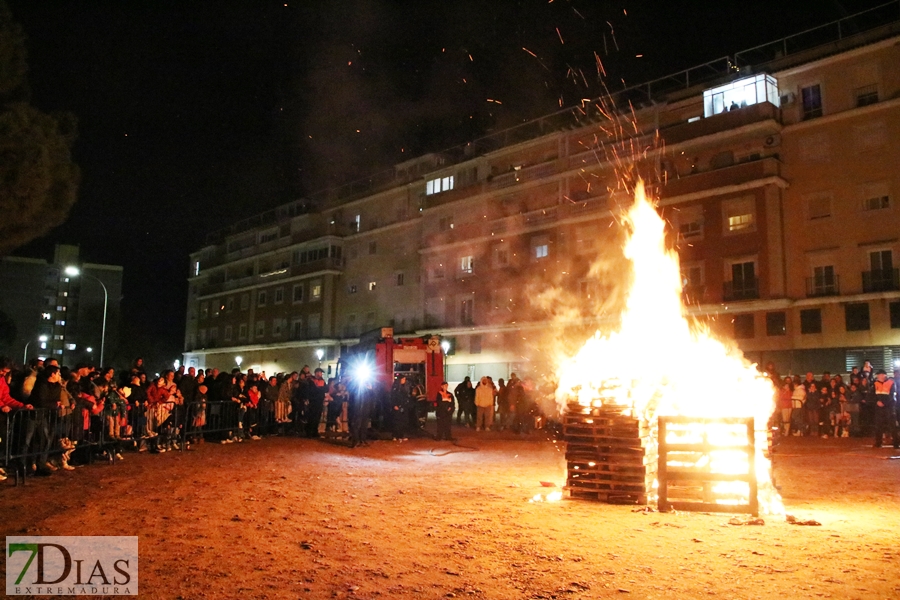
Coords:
pixel 484 405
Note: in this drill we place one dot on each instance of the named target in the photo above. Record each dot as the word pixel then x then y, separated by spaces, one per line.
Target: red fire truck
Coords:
pixel 382 356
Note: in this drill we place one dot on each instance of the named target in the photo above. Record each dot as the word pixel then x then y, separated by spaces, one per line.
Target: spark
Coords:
pixel 471 59
pixel 560 36
pixel 494 101
pixel 529 51
pixel 600 69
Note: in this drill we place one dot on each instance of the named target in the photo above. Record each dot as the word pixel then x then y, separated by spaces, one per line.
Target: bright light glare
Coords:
pixel 362 372
pixel 42 338
pixel 320 353
pixel 72 271
pixel 238 360
pixel 445 346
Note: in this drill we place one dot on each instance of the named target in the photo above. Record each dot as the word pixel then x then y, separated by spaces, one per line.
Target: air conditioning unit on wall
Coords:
pixel 788 99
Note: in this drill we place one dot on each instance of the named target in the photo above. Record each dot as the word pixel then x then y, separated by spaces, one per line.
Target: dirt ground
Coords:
pixel 291 518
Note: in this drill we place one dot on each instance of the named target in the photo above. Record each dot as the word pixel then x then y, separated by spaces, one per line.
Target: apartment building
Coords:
pixel 776 169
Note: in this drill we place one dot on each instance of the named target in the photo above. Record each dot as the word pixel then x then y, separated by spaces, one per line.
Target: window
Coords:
pixel 876 202
pixel 315 291
pixel 500 256
pixel 279 295
pixel 585 239
pixel 866 95
pixel 261 298
pixel 856 316
pixel 445 223
pixel 743 327
pixel 356 223
pixel 467 264
pixel 315 325
pixel 245 301
pixel 739 215
pixel 400 279
pixel 818 206
pixel 690 223
pixel 373 248
pixel 268 236
pixel 260 328
pixel 278 326
pixel 740 93
pixel 298 293
pixel 196 267
pixel 894 308
pixel 351 289
pixel 475 344
pixel 883 276
pixel 467 311
pixel 437 272
pixel 228 333
pixel 776 323
pixel 229 304
pixel 744 284
pixel 371 286
pixel 436 186
pixel 541 251
pixel 824 281
pixel 204 310
pixel 811 320
pixel 812 101
pixel 242 331
pixel 297 329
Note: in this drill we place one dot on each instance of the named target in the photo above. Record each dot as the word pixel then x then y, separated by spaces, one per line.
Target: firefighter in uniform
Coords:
pixel 884 410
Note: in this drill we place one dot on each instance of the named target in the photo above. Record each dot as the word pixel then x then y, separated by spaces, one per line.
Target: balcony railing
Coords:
pixel 881 280
pixel 742 289
pixel 818 287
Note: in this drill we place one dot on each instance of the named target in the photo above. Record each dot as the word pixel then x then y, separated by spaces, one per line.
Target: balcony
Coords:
pixel 741 289
pixel 881 280
pixel 817 287
pixel 732 175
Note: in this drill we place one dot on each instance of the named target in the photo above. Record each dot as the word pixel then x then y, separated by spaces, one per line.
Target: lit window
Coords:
pixel 315 291
pixel 70 346
pixel 357 221
pixel 46 316
pixel 740 215
pixel 371 286
pixel 467 264
pixel 441 184
pixel 541 251
pixel 196 267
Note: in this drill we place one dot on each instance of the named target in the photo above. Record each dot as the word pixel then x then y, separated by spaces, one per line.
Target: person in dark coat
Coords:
pixel 444 412
pixel 399 405
pixel 359 410
pixel 316 388
pixel 465 395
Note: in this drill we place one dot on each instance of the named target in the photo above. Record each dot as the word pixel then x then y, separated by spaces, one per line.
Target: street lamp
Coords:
pixel 75 272
pixel 238 360
pixel 319 354
pixel 41 338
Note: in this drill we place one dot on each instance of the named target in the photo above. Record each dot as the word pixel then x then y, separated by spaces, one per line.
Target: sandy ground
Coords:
pixel 291 518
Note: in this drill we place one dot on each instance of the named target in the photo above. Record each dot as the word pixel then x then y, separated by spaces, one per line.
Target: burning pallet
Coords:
pixel 692 452
pixel 611 456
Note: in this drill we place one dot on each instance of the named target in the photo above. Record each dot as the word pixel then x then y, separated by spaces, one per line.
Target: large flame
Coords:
pixel 661 364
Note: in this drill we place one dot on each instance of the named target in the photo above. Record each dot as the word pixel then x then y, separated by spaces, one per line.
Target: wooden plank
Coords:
pixel 609 497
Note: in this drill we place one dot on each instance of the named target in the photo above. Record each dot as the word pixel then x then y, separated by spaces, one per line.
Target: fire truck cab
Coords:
pixel 420 359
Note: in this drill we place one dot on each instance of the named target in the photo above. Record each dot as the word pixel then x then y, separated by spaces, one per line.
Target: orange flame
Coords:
pixel 689 372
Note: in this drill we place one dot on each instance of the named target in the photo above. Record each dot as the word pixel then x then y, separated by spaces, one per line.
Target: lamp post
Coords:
pixel 42 338
pixel 75 272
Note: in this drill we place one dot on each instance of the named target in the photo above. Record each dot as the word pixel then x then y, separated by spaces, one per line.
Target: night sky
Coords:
pixel 195 114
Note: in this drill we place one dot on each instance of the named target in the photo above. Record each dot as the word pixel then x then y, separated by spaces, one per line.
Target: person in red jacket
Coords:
pixel 7 402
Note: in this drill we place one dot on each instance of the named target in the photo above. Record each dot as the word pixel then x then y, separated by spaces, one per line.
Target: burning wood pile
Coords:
pixel 613 399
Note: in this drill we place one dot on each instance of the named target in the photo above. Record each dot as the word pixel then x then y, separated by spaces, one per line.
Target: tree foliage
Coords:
pixel 38 180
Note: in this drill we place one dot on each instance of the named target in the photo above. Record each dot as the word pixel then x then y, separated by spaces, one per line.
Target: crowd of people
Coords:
pixel 865 404
pixel 53 417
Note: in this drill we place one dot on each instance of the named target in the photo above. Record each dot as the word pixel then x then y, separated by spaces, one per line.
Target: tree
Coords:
pixel 38 180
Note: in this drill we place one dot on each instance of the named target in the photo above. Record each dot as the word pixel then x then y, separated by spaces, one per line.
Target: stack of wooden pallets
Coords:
pixel 610 456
